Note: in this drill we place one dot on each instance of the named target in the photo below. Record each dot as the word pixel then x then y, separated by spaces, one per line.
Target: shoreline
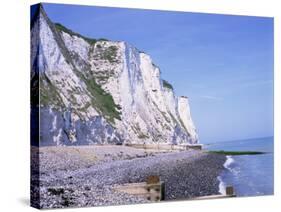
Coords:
pixel 86 176
pixel 222 185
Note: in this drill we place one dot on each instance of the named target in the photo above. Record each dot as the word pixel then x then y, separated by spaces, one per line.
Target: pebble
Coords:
pixel 186 174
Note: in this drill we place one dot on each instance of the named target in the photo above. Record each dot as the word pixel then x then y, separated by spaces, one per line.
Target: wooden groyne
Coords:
pixel 229 192
pixel 154 190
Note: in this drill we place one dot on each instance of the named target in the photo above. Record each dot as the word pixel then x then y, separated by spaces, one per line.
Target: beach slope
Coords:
pixel 87 176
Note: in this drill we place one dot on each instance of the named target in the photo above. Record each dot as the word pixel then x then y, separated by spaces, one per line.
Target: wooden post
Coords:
pixel 162 191
pixel 154 188
pixel 153 179
pixel 229 191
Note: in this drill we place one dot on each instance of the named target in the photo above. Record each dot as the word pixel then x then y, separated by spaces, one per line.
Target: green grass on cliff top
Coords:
pixel 166 84
pixel 62 28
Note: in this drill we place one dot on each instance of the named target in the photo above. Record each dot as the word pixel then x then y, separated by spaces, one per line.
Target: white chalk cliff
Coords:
pixel 100 91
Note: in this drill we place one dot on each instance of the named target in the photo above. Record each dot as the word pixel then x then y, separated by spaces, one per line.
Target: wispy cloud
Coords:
pixel 257 83
pixel 209 97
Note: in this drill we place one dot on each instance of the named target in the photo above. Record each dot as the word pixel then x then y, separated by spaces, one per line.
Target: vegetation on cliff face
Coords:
pixel 82 76
pixel 49 94
pixel 104 52
pixel 101 100
pixel 166 84
pixel 110 54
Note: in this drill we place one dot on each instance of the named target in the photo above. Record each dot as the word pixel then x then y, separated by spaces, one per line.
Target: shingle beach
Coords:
pixel 87 175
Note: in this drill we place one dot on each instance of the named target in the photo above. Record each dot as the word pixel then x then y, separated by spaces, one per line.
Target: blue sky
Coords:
pixel 223 63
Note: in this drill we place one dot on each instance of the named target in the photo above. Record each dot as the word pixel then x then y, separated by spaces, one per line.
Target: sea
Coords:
pixel 250 175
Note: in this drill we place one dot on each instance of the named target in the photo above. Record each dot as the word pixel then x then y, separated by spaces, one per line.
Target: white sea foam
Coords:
pixel 228 162
pixel 229 165
pixel 222 186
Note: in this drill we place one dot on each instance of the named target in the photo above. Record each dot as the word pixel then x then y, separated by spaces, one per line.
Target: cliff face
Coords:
pixel 100 91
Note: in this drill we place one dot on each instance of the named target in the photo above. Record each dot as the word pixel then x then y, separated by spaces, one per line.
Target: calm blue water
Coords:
pixel 251 175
